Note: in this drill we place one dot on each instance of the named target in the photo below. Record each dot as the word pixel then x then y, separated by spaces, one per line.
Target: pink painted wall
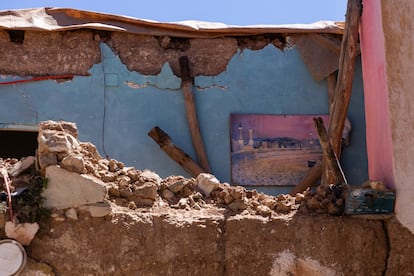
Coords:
pixel 378 132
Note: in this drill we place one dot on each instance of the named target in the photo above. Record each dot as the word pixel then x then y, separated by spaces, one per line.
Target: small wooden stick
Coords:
pixel 177 154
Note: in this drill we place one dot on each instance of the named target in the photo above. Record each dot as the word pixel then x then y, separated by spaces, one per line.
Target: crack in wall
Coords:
pixel 388 245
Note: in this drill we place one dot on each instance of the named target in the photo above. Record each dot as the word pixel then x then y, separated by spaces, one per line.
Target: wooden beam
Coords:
pixel 343 89
pixel 332 162
pixel 190 107
pixel 177 154
pixel 311 178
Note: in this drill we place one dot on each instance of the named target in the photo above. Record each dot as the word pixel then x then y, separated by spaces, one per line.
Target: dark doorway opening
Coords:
pixel 17 144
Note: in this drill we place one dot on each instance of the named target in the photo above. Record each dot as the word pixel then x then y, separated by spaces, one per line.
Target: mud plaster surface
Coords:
pixel 180 242
pixel 75 52
pixel 52 53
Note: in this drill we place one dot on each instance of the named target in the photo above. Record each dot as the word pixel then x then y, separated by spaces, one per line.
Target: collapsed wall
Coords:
pixel 110 219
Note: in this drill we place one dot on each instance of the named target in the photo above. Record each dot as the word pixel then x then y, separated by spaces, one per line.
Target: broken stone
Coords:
pixel 107 176
pixel 283 207
pixel 67 127
pixel 21 166
pixel 299 197
pixel 71 214
pixel 114 191
pixel 183 203
pixel 67 189
pixel 91 150
pixel 177 186
pixel 206 183
pixel 125 192
pixel 124 181
pixel 263 210
pixel 21 232
pixel 47 159
pixel 73 163
pixel 113 167
pixel 237 192
pixel 55 141
pixel 147 191
pixel 149 176
pixel 313 203
pixel 97 210
pixel 168 195
pixel 132 205
pixel 238 205
pixel 133 174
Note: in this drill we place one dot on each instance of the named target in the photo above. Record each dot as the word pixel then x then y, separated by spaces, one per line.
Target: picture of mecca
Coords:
pixel 273 150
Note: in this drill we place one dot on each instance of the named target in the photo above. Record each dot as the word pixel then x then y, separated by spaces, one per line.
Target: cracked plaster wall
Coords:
pixel 134 86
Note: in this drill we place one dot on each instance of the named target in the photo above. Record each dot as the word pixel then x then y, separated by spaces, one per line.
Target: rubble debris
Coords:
pixel 108 180
pixel 21 232
pixel 327 198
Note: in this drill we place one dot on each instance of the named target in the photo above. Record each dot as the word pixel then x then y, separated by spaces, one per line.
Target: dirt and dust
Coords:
pixel 192 226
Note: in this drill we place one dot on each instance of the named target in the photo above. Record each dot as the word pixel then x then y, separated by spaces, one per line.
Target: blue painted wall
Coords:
pixel 115 108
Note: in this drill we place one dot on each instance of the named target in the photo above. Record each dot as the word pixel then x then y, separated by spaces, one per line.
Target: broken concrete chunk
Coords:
pixel 67 189
pixel 21 232
pixel 21 166
pixel 207 183
pixel 74 163
pixel 97 210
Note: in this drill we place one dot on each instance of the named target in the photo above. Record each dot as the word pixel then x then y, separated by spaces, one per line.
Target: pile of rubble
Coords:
pixel 59 149
pixel 327 198
pixel 79 178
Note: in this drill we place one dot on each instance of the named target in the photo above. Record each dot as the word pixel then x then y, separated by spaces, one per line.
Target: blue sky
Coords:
pixel 231 12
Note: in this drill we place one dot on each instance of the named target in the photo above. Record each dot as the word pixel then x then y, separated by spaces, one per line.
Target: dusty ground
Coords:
pixel 181 226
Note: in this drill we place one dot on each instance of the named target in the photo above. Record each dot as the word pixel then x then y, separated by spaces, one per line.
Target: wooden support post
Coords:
pixel 177 154
pixel 190 107
pixel 331 92
pixel 343 89
pixel 332 162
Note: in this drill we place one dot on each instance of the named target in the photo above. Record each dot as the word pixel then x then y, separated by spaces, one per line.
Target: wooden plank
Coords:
pixel 177 154
pixel 191 112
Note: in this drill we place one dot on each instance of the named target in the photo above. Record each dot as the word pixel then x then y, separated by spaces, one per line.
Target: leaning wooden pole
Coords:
pixel 177 154
pixel 343 89
pixel 332 162
pixel 190 107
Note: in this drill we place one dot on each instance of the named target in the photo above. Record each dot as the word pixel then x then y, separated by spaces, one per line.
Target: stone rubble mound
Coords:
pixel 129 187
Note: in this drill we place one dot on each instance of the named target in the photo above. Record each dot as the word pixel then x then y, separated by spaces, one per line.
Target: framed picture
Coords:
pixel 273 150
